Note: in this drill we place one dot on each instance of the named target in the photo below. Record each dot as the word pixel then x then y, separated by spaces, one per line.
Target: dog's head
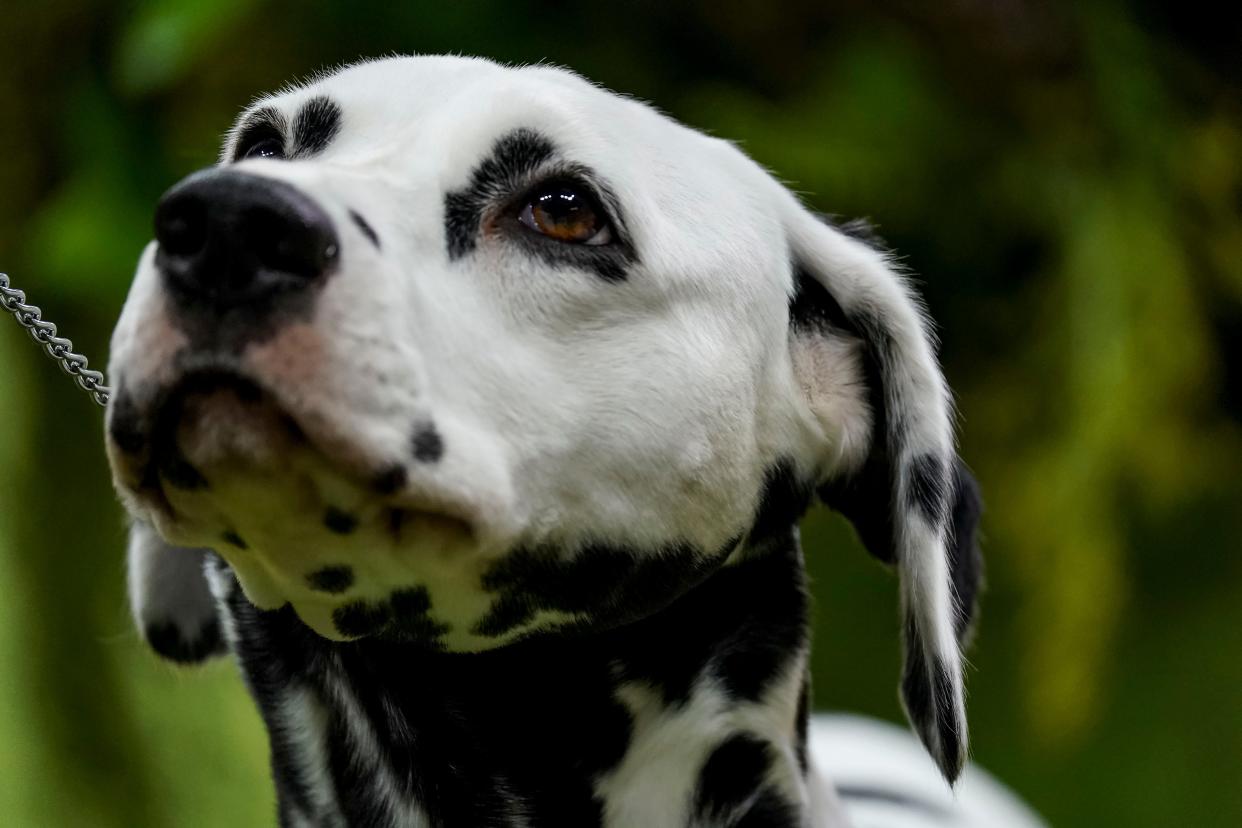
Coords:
pixel 460 353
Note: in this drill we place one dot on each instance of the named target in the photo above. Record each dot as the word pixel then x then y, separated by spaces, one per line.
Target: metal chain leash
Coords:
pixel 58 347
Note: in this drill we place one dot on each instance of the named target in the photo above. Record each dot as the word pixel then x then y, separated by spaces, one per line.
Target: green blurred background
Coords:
pixel 1067 183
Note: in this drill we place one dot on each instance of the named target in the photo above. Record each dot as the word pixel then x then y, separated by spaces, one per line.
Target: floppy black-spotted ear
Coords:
pixel 169 598
pixel 892 470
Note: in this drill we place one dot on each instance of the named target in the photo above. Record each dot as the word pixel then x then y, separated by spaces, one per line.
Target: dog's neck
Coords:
pixel 695 715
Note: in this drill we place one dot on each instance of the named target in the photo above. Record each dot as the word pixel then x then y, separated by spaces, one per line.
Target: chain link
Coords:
pixel 58 347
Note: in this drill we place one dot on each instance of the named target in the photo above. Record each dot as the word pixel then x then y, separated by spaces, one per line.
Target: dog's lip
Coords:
pixel 389 485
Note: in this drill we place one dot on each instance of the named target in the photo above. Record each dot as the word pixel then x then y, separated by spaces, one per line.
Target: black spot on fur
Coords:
pixel 390 481
pixel 745 624
pixel 730 776
pixel 605 584
pixel 784 500
pixel 315 125
pixel 367 229
pixel 166 639
pixel 502 178
pixel 747 670
pixel 927 478
pixel 331 579
pixel 411 619
pixel 532 725
pixel 427 445
pixel 965 559
pixel 360 618
pixel 927 691
pixel 950 758
pixel 916 690
pixel 339 521
pixel 232 538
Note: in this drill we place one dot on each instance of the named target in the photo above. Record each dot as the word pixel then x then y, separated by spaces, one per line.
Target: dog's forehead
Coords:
pixel 456 109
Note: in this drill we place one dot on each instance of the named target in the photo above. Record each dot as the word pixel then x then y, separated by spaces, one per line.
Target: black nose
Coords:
pixel 232 239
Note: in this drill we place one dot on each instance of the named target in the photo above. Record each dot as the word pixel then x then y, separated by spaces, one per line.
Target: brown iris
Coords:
pixel 565 213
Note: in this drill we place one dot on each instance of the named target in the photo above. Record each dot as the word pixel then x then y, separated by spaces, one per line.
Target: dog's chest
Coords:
pixel 693 721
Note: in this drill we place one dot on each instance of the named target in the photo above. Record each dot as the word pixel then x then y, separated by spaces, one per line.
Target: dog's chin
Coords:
pixel 299 520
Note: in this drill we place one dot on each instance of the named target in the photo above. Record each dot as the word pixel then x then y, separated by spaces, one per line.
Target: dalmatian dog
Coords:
pixel 473 409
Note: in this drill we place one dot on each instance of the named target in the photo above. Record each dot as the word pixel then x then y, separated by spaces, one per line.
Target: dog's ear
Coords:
pixel 169 598
pixel 864 356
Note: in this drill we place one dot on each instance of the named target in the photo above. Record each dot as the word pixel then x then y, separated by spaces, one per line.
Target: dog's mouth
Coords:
pixel 303 515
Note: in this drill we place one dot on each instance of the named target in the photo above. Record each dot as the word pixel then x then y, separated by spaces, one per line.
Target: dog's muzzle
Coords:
pixel 231 428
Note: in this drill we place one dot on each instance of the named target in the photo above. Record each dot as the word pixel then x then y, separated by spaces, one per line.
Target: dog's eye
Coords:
pixel 263 148
pixel 566 213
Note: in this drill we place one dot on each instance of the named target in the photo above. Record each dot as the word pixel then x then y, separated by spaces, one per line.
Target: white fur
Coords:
pixel 858 753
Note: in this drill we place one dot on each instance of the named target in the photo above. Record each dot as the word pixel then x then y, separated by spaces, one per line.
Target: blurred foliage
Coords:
pixel 1066 183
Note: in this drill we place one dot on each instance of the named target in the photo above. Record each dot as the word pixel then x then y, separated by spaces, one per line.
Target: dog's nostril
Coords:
pixel 288 247
pixel 235 239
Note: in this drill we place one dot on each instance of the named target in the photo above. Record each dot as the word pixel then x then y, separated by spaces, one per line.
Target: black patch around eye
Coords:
pixel 514 157
pixel 331 579
pixel 501 178
pixel 264 124
pixel 427 445
pixel 314 127
pixel 366 229
pixel 339 521
pixel 730 776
